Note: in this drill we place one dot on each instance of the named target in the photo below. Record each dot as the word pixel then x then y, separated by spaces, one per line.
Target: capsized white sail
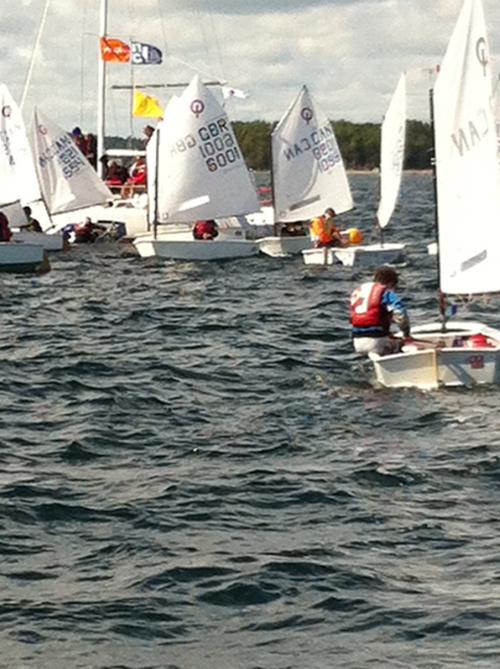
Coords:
pixel 308 170
pixel 68 181
pixel 392 149
pixel 201 171
pixel 468 176
pixel 18 180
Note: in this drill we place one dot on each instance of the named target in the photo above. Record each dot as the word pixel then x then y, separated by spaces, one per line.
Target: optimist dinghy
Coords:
pixel 392 147
pixel 468 190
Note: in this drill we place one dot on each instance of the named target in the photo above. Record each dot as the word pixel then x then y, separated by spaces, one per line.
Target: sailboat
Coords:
pixel 308 174
pixel 199 174
pixel 15 256
pixel 392 148
pixel 462 353
pixel 67 180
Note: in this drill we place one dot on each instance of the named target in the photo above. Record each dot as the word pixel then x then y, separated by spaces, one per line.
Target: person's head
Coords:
pixel 330 212
pixel 76 132
pixel 387 276
pixel 148 131
pixel 27 211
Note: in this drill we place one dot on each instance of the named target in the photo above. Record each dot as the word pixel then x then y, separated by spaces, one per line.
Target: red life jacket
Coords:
pixel 202 228
pixel 366 307
pixel 5 231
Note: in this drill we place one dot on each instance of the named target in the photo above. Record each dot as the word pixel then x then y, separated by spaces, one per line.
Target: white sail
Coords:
pixel 151 153
pixel 496 111
pixel 308 170
pixel 392 149
pixel 18 180
pixel 68 181
pixel 468 178
pixel 201 171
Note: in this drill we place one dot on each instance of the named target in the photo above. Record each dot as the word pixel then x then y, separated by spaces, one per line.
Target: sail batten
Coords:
pixel 308 170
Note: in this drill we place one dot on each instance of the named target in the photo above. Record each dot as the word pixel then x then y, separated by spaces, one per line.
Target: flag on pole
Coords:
pixel 146 106
pixel 228 92
pixel 114 50
pixel 145 54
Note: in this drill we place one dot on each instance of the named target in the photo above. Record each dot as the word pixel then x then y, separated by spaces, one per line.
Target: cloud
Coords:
pixel 350 53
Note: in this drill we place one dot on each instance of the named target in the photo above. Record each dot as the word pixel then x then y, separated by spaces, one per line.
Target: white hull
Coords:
pixel 371 255
pixel 20 257
pixel 282 247
pixel 166 247
pixel 451 358
pixel 261 222
pixel 52 242
pixel 323 256
pixel 132 213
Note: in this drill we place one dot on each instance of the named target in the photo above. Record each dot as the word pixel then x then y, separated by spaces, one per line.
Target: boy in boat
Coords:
pixel 5 231
pixel 374 307
pixel 205 230
pixel 32 224
pixel 324 231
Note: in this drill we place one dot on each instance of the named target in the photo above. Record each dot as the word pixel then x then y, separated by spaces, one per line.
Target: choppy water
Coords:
pixel 196 472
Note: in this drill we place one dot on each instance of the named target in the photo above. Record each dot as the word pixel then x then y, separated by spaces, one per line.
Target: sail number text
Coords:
pixel 215 142
pixel 323 146
pixel 68 156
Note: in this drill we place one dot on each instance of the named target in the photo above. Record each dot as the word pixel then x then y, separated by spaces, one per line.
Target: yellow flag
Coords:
pixel 146 106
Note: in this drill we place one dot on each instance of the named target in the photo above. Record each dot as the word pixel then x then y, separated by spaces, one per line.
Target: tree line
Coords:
pixel 359 144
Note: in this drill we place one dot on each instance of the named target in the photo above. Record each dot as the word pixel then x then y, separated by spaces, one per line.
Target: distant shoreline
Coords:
pixel 375 172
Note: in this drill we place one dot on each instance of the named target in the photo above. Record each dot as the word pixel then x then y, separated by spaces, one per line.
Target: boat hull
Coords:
pixel 371 255
pixel 282 247
pixel 323 256
pixel 22 258
pixel 52 242
pixel 148 247
pixel 451 359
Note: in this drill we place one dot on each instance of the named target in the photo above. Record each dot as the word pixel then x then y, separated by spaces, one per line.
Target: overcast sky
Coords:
pixel 350 53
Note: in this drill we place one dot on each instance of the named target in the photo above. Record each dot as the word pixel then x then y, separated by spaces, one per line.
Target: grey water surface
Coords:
pixel 197 472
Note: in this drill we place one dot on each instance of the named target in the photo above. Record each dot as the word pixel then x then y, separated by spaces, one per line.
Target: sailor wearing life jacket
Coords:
pixel 5 231
pixel 374 306
pixel 324 231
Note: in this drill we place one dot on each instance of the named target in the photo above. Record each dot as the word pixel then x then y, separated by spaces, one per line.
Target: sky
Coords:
pixel 350 53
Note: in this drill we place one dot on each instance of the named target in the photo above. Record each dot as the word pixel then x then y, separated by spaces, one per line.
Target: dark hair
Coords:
pixel 330 212
pixel 387 276
pixel 27 210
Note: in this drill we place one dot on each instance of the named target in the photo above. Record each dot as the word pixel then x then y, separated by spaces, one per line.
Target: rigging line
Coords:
pixel 34 53
pixel 82 64
pixel 197 69
pixel 162 23
pixel 217 40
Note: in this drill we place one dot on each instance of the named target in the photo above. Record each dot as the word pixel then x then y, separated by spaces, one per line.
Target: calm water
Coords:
pixel 197 472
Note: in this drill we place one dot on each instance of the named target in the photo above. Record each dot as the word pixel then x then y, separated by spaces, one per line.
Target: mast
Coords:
pixel 101 89
pixel 380 229
pixel 157 174
pixel 34 54
pixel 275 222
pixel 441 295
